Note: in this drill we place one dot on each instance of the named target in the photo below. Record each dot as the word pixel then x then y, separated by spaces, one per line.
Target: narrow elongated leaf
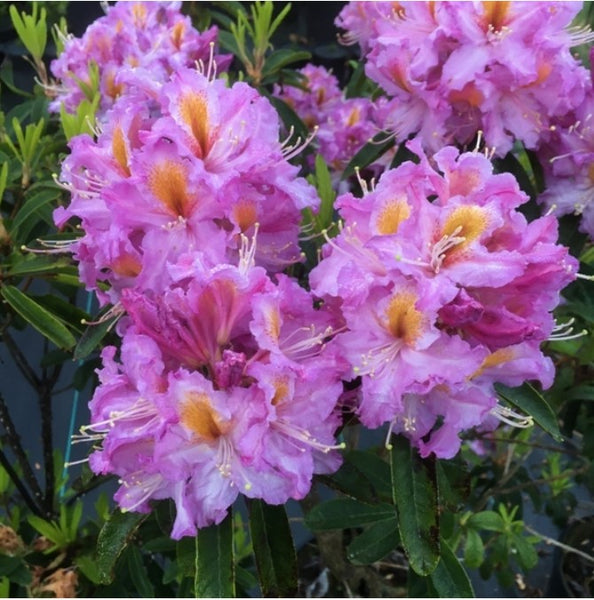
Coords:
pixel 215 572
pixel 92 337
pixel 283 57
pixel 113 539
pixel 449 578
pixel 139 574
pixel 342 513
pixel 44 321
pixel 487 519
pixel 374 543
pixel 40 264
pixel 32 205
pixel 528 400
pixel 274 549
pixel 414 489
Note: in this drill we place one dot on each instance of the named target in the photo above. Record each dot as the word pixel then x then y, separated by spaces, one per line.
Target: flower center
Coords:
pixel 496 13
pixel 392 215
pixel 194 112
pixel 168 183
pixel 198 415
pixel 404 320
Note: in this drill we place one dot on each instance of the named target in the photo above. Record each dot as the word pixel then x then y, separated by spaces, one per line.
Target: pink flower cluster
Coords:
pixel 444 289
pixel 151 38
pixel 342 125
pixel 452 69
pixel 224 384
pixel 568 161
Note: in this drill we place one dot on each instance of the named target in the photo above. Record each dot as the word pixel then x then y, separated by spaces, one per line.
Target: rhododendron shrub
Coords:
pixel 289 270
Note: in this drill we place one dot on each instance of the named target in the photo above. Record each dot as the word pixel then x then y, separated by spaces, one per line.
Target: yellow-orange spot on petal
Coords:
pixel 139 13
pixel 281 391
pixel 392 215
pixel 198 415
pixel 404 320
pixel 118 147
pixel 467 222
pixel 177 34
pixel 112 89
pixel 168 183
pixel 320 96
pixel 469 94
pixel 245 214
pixel 194 112
pixel 543 71
pixel 591 173
pixel 354 117
pixel 126 266
pixel 495 13
pixel 494 359
pixel 273 323
pixel 398 10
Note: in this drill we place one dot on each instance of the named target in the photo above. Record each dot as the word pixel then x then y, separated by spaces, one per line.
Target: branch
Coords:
pixel 20 360
pixel 19 485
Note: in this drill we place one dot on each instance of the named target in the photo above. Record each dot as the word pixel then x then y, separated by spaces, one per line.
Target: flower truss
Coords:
pixel 444 289
pixel 453 69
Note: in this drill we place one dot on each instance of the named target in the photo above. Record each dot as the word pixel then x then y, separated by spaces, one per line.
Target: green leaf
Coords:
pixel 32 207
pixel 113 538
pixel 88 567
pixel 343 513
pixel 488 520
pixel 185 557
pixel 526 554
pixel 32 265
pixel 414 489
pixel 92 337
pixel 281 58
pixel 138 573
pixel 289 117
pixel 375 469
pixel 474 549
pixel 15 569
pixel 370 152
pixel 274 549
pixel 527 399
pixel 38 317
pixel 215 576
pixel 374 543
pixel 580 392
pixel 449 577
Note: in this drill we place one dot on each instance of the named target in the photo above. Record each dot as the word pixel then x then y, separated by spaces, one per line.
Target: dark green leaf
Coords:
pixel 274 549
pixel 88 567
pixel 44 321
pixel 33 205
pixel 374 543
pixel 283 57
pixel 92 337
pixel 113 538
pixel 370 152
pixel 185 553
pixel 526 554
pixel 138 573
pixel 215 572
pixel 31 265
pixel 580 392
pixel 414 489
pixel 528 400
pixel 15 569
pixel 474 549
pixel 373 468
pixel 342 513
pixel 245 581
pixel 449 577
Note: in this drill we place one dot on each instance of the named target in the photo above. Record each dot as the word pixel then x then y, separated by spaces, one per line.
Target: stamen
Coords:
pixel 141 409
pixel 247 251
pixel 115 312
pixel 563 332
pixel 510 417
pixel 447 242
pixel 365 187
pixel 211 66
pixel 303 436
pixel 76 462
pixel 149 486
pixel 289 150
pixel 580 35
